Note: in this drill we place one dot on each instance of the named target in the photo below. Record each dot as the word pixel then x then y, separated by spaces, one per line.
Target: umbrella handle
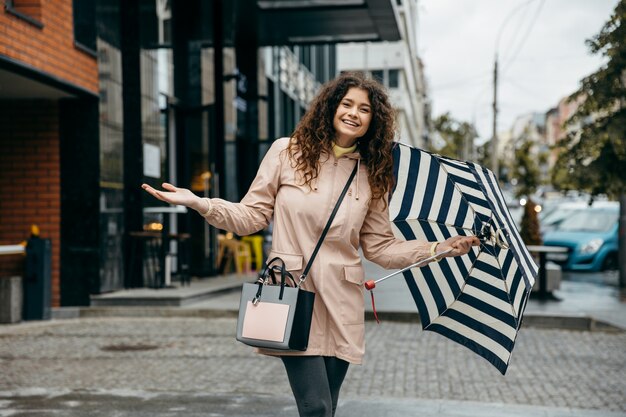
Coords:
pixel 371 284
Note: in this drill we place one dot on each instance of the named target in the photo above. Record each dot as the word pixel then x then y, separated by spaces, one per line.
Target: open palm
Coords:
pixel 174 195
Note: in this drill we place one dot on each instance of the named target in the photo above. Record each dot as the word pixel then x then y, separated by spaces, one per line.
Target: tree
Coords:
pixel 458 137
pixel 594 154
pixel 530 231
pixel 483 157
pixel 525 170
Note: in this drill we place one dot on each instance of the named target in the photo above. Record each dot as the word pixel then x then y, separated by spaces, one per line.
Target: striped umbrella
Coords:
pixel 476 300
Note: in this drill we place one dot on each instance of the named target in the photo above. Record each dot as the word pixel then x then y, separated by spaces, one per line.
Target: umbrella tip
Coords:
pixel 370 285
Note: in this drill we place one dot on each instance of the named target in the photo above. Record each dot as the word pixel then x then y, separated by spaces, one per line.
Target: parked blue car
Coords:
pixel 590 235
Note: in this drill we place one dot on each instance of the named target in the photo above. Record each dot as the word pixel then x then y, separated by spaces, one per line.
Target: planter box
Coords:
pixel 553 275
pixel 10 300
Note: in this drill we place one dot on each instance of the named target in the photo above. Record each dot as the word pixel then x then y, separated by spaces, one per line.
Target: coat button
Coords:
pixel 335 164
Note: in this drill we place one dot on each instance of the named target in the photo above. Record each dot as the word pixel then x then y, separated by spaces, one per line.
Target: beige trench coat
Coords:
pixel 300 215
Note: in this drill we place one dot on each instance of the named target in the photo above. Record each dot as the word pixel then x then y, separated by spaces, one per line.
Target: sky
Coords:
pixel 541 49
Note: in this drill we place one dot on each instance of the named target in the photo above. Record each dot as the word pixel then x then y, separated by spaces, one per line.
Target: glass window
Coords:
pixel 305 56
pixel 590 220
pixel 29 10
pixel 332 57
pixel 394 78
pixel 320 63
pixel 85 24
pixel 378 75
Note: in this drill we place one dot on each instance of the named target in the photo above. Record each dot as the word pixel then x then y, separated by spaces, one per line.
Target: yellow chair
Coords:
pixel 256 245
pixel 243 259
pixel 233 251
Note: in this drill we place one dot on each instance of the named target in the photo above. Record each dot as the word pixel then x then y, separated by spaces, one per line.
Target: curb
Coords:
pixel 182 305
pixel 562 322
pixel 569 322
pixel 164 301
pixel 180 297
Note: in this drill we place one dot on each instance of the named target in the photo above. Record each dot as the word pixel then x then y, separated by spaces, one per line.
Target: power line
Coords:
pixel 505 21
pixel 524 38
pixel 461 81
pixel 553 58
pixel 521 87
pixel 520 23
pixel 494 135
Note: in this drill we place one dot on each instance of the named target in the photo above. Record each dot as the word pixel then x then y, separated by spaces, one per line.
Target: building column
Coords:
pixel 130 23
pixel 192 140
pixel 246 50
pixel 80 254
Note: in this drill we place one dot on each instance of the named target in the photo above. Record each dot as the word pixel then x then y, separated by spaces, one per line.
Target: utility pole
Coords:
pixel 494 136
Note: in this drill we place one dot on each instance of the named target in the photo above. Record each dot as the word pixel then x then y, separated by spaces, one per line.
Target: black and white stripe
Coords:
pixel 477 300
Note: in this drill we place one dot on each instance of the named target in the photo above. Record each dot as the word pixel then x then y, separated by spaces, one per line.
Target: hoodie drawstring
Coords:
pixel 358 169
pixel 374 307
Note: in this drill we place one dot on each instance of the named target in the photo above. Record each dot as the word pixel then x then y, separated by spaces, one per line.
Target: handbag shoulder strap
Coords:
pixel 327 227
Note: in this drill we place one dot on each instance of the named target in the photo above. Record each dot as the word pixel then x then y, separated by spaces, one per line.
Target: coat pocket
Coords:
pixel 352 306
pixel 354 274
pixel 293 262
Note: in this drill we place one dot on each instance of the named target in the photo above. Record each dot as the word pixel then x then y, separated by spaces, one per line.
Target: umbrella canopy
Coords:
pixel 476 300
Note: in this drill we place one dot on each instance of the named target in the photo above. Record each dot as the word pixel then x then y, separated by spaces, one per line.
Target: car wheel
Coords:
pixel 610 262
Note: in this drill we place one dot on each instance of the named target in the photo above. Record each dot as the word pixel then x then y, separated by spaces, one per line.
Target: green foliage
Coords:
pixel 483 157
pixel 483 154
pixel 593 158
pixel 457 136
pixel 525 169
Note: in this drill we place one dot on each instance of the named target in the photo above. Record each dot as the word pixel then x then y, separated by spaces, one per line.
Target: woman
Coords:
pixel 297 185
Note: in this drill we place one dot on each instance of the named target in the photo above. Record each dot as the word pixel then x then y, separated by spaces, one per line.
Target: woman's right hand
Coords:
pixel 178 196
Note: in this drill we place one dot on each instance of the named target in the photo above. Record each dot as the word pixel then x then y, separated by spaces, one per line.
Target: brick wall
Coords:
pixel 30 180
pixel 50 48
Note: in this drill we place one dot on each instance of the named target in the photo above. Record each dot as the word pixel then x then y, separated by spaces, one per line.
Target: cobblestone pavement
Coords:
pixel 553 368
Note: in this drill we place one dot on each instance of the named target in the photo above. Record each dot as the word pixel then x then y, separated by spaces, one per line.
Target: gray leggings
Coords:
pixel 315 382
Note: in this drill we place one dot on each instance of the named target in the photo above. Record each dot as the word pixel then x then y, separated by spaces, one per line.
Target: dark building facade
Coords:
pixel 98 97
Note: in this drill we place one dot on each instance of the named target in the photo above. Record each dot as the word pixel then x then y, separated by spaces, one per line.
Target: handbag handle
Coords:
pixel 325 231
pixel 270 271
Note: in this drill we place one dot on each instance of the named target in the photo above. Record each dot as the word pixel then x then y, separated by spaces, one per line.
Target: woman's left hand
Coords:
pixel 460 245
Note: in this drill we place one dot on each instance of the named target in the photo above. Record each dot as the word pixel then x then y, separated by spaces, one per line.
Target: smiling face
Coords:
pixel 352 117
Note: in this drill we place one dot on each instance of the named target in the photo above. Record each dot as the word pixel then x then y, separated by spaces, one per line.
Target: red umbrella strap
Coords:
pixel 374 307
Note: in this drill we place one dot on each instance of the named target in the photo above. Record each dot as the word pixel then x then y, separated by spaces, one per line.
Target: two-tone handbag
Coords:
pixel 274 315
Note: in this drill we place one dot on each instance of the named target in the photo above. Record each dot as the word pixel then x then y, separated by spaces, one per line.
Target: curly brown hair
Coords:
pixel 315 132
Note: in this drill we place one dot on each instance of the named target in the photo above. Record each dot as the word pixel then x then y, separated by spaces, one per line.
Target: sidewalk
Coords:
pixel 195 367
pixel 582 305
pixel 129 403
pixel 131 363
